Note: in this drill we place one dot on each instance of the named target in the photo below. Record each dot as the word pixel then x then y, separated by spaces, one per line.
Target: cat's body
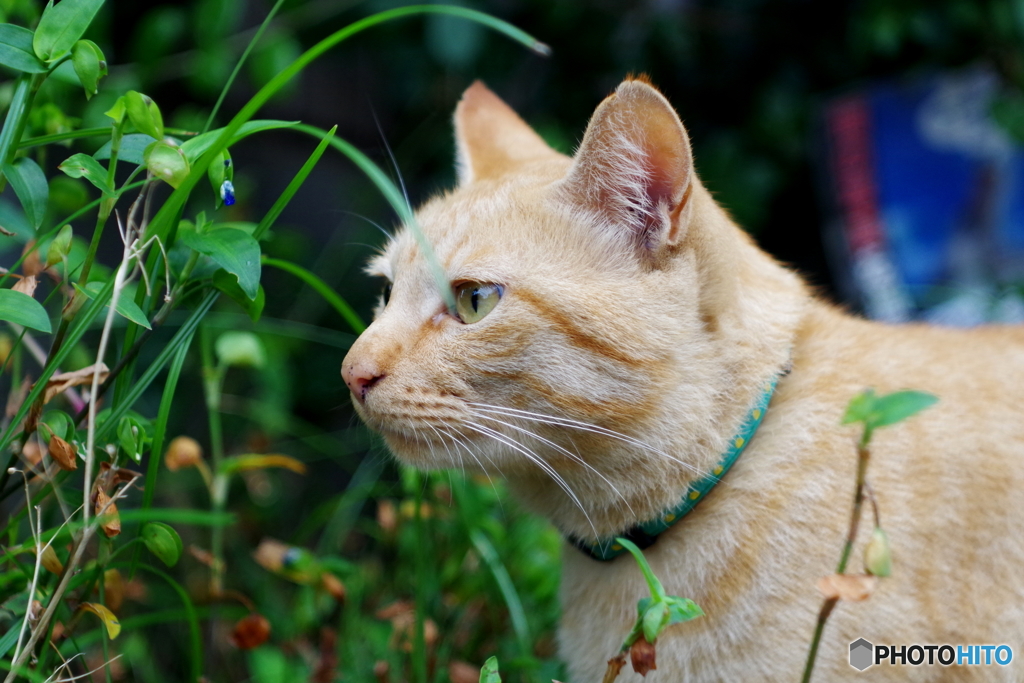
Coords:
pixel 630 303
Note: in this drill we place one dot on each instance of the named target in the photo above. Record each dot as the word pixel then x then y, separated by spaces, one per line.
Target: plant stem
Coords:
pixel 823 615
pixel 419 645
pixel 863 458
pixel 17 116
pixel 213 380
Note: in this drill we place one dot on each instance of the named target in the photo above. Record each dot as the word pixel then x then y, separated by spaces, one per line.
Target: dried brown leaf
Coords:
pixel 204 556
pixel 395 609
pixel 65 380
pixel 63 453
pixel 50 561
pixel 333 585
pixel 111 520
pixel 382 671
pixel 641 656
pixel 387 518
pixel 250 631
pixel 7 233
pixel 26 285
pixel 271 553
pixel 850 587
pixel 32 265
pixel 113 590
pixel 183 451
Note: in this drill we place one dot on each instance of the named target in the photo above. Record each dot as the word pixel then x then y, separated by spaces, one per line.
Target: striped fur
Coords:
pixel 636 327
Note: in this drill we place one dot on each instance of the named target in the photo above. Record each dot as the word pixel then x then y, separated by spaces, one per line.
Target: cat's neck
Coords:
pixel 749 310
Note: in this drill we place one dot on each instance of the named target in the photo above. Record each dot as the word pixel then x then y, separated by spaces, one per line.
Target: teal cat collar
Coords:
pixel 646 533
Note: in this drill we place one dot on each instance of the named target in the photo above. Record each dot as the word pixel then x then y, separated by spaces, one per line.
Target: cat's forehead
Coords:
pixel 478 230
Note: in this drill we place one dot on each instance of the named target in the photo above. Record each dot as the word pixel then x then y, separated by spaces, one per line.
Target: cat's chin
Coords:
pixel 419 451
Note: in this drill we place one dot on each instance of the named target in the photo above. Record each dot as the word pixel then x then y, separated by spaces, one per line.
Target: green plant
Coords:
pixel 871 412
pixel 178 252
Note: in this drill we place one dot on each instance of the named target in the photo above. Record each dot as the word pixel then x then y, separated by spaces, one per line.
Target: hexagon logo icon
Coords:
pixel 862 654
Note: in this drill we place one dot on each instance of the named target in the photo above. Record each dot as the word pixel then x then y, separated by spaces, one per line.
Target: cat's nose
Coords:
pixel 360 376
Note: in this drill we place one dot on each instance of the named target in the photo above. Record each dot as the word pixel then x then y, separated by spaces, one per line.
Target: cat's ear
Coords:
pixel 634 167
pixel 490 139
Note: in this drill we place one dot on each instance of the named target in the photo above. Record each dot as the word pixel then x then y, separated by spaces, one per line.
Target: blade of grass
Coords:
pixel 397 201
pixel 159 433
pixel 142 383
pixel 80 134
pixel 271 216
pixel 321 287
pixel 490 556
pixel 241 61
pixel 195 644
pixel 163 221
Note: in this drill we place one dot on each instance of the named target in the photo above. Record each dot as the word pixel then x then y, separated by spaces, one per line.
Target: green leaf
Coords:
pixel 655 619
pixel 126 306
pixel 61 26
pixel 166 162
pixel 882 411
pixel 16 50
pixel 90 65
pixel 132 149
pixel 84 166
pixel 235 251
pixel 60 247
pixel 30 185
pixel 228 284
pixel 195 147
pixel 19 308
pixel 163 541
pixel 489 671
pixel 860 407
pixel 259 461
pixel 144 114
pixel 132 437
pixel 900 405
pixel 682 609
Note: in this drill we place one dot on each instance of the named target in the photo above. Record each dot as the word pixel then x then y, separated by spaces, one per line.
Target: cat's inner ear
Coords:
pixel 634 166
pixel 490 138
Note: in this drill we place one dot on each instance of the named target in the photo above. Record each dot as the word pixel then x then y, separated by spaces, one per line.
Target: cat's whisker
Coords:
pixel 582 426
pixel 537 460
pixel 459 442
pixel 572 456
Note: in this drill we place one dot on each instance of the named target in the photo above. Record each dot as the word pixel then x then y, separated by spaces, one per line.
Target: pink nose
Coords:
pixel 360 376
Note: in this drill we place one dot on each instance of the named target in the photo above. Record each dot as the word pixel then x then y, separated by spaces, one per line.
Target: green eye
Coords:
pixel 474 300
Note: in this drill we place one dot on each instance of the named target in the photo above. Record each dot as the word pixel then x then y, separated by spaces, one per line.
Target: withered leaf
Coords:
pixel 107 509
pixel 26 285
pixel 850 587
pixel 32 265
pixel 250 631
pixel 65 380
pixel 183 451
pixel 63 453
pixel 641 656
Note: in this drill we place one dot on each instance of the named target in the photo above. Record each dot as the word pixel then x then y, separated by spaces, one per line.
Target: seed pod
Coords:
pixel 162 541
pixel 63 453
pixel 59 247
pixel 90 65
pixel 877 558
pixel 144 114
pixel 166 162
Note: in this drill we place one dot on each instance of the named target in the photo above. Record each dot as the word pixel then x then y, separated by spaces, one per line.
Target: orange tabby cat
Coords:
pixel 613 330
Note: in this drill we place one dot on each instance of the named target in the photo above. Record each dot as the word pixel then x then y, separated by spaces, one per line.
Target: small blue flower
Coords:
pixel 227 193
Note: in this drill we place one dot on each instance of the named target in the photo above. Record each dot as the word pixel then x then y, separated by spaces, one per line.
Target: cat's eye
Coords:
pixel 474 300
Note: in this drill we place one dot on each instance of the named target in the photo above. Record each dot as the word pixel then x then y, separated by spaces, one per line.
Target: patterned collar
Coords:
pixel 646 533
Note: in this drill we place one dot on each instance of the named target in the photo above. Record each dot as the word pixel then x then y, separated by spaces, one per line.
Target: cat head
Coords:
pixel 591 295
